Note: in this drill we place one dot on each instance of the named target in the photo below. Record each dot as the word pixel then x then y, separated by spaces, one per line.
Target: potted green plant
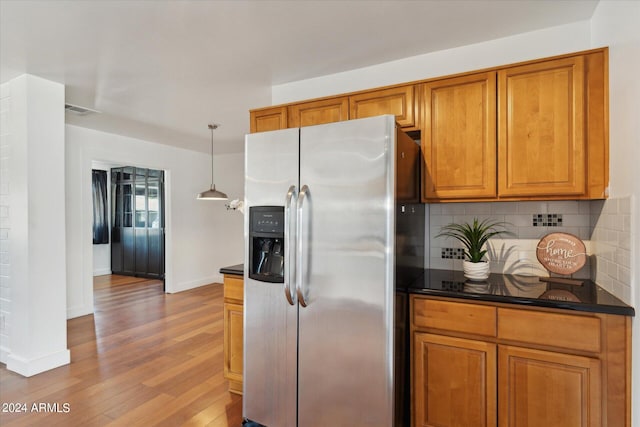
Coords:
pixel 473 237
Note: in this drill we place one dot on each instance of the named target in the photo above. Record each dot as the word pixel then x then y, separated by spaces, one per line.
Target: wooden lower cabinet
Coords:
pixel 455 381
pixel 233 334
pixel 535 367
pixel 541 388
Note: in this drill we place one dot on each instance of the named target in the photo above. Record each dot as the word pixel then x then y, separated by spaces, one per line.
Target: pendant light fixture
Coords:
pixel 212 193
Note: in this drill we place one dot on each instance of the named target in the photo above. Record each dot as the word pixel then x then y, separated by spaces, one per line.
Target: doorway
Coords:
pixel 137 228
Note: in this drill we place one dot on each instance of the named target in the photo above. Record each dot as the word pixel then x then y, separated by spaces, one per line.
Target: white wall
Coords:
pixel 615 24
pixel 5 219
pixel 201 236
pixel 37 329
pixel 522 47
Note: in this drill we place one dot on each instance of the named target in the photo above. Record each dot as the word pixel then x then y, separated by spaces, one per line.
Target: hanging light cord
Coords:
pixel 212 127
pixel 212 193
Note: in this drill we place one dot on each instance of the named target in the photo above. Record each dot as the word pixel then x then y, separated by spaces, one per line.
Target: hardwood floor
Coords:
pixel 144 358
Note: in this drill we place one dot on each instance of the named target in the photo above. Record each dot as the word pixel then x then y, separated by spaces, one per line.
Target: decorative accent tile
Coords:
pixel 450 285
pixel 547 220
pixel 452 253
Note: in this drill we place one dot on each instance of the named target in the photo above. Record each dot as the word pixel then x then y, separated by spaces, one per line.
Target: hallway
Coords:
pixel 144 358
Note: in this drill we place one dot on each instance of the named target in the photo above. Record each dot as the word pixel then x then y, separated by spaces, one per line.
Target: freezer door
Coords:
pixel 270 321
pixel 346 282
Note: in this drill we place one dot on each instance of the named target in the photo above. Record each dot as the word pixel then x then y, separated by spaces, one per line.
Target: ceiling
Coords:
pixel 162 70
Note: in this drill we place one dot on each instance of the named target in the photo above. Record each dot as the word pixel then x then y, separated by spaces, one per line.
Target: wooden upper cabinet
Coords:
pixel 538 130
pixel 407 169
pixel 398 101
pixel 541 122
pixel 319 112
pixel 268 119
pixel 459 137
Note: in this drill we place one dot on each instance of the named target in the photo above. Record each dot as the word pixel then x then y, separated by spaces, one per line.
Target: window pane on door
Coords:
pixel 127 204
pixel 154 205
pixel 141 211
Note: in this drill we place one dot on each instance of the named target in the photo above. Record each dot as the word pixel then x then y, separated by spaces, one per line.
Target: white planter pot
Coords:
pixel 475 270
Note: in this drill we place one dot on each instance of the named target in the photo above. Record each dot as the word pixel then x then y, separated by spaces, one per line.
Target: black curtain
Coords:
pixel 100 214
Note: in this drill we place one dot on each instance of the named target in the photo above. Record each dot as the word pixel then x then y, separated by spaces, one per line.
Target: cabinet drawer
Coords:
pixel 234 288
pixel 455 316
pixel 552 329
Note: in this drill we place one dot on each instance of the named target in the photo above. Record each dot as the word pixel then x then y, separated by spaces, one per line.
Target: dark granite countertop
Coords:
pixel 504 288
pixel 233 269
pixel 511 289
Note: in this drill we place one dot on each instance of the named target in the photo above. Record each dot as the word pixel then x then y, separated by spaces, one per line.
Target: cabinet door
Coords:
pixel 541 388
pixel 459 137
pixel 454 381
pixel 397 101
pixel 319 112
pixel 268 119
pixel 541 142
pixel 407 169
pixel 233 345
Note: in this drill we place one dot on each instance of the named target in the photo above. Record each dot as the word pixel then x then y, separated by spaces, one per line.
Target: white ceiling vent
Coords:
pixel 81 111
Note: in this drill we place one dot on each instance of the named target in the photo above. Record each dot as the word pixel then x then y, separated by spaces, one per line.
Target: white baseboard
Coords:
pixel 30 367
pixel 101 272
pixel 74 312
pixel 185 286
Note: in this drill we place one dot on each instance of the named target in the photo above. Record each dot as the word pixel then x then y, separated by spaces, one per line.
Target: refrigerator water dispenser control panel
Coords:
pixel 266 243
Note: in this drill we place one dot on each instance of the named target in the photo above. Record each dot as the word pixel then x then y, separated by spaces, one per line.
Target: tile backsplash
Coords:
pixel 611 223
pixel 604 226
pixel 528 222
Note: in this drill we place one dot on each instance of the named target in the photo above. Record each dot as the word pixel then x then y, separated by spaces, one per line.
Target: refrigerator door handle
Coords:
pixel 289 251
pixel 300 271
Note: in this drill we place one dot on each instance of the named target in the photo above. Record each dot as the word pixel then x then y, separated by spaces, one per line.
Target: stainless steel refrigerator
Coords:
pixel 319 313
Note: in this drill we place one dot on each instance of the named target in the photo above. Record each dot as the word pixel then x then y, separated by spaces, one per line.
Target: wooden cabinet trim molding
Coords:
pixel 597 119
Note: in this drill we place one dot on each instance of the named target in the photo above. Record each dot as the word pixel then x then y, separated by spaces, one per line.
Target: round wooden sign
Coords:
pixel 561 253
